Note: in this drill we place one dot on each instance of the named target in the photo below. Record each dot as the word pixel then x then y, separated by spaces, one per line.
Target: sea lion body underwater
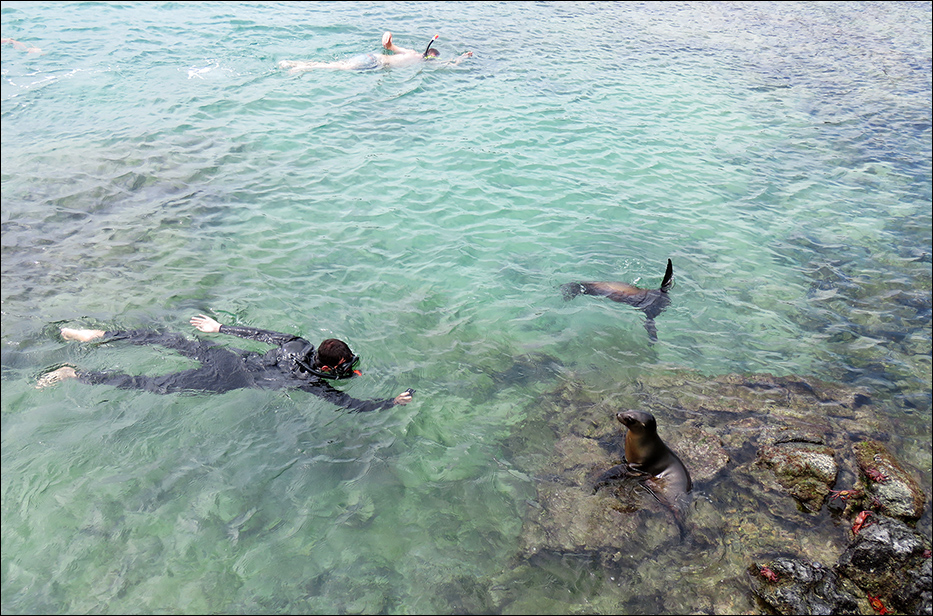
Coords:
pixel 650 301
pixel 647 456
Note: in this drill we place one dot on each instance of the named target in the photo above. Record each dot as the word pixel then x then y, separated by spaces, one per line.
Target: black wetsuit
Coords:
pixel 224 369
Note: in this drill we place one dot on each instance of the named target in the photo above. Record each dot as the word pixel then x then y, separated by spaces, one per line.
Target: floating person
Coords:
pixel 650 301
pixel 369 61
pixel 649 459
pixel 294 364
pixel 20 46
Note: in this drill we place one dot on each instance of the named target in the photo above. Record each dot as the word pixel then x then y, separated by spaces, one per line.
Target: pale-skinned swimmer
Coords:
pixel 400 57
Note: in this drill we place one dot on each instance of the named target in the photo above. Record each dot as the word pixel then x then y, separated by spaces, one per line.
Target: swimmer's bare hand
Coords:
pixel 205 324
pixel 387 40
pixel 460 58
pixel 404 397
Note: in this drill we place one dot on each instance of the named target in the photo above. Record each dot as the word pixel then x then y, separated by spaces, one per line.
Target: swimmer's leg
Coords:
pixel 124 381
pixel 138 336
pixel 194 349
pixel 82 335
pixel 50 378
pixel 221 371
pixel 185 381
pixel 297 66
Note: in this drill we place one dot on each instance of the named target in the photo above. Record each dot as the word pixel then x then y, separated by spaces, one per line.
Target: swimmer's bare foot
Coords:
pixel 50 378
pixel 82 335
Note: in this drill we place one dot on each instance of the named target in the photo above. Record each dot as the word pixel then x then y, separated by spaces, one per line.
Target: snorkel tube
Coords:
pixel 425 54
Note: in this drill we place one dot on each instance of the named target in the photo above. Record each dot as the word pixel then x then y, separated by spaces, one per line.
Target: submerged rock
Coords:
pixel 886 566
pixel 765 454
pixel 890 560
pixel 806 471
pixel 793 447
pixel 886 485
pixel 789 585
pixel 525 369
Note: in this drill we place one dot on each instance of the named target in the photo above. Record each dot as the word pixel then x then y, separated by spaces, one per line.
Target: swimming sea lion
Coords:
pixel 650 301
pixel 647 456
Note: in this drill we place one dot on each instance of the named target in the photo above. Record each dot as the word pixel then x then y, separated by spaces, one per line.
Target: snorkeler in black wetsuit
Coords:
pixel 294 364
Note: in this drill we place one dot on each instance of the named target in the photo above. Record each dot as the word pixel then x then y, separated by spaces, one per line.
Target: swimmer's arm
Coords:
pixel 361 406
pixel 405 397
pixel 344 400
pixel 388 44
pixel 20 46
pixel 208 325
pixel 205 324
pixel 460 58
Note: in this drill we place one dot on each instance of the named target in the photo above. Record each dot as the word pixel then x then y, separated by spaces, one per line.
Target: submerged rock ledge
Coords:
pixel 782 466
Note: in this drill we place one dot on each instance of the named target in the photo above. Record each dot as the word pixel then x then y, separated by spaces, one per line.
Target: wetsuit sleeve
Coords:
pixel 259 335
pixel 333 395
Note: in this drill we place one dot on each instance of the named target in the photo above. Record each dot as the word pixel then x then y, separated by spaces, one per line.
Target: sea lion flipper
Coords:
pixel 668 281
pixel 652 329
pixel 616 472
pixel 619 471
pixel 675 503
pixel 571 290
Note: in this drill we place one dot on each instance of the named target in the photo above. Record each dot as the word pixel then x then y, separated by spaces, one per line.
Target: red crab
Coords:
pixel 768 574
pixel 877 476
pixel 861 521
pixel 877 605
pixel 844 494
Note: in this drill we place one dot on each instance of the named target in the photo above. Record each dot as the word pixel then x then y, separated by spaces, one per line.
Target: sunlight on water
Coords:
pixel 157 164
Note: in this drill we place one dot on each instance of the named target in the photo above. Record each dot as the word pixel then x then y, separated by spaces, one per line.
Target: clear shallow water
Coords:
pixel 156 164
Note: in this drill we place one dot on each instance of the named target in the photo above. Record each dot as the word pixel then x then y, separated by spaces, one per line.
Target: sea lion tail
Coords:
pixel 652 329
pixel 668 280
pixel 571 290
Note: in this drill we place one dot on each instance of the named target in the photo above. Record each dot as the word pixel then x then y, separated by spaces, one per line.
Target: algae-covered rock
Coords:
pixel 805 470
pixel 765 453
pixel 886 566
pixel 573 519
pixel 790 585
pixel 890 560
pixel 888 487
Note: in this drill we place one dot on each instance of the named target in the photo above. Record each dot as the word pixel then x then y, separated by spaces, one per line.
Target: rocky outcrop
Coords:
pixel 885 568
pixel 781 466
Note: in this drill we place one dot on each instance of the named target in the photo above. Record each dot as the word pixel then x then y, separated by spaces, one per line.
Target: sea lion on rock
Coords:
pixel 650 301
pixel 647 456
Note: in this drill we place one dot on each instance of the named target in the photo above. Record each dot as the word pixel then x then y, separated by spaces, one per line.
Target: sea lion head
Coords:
pixel 644 450
pixel 639 422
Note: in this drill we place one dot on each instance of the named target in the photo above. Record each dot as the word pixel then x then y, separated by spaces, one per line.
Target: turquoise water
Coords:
pixel 157 164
